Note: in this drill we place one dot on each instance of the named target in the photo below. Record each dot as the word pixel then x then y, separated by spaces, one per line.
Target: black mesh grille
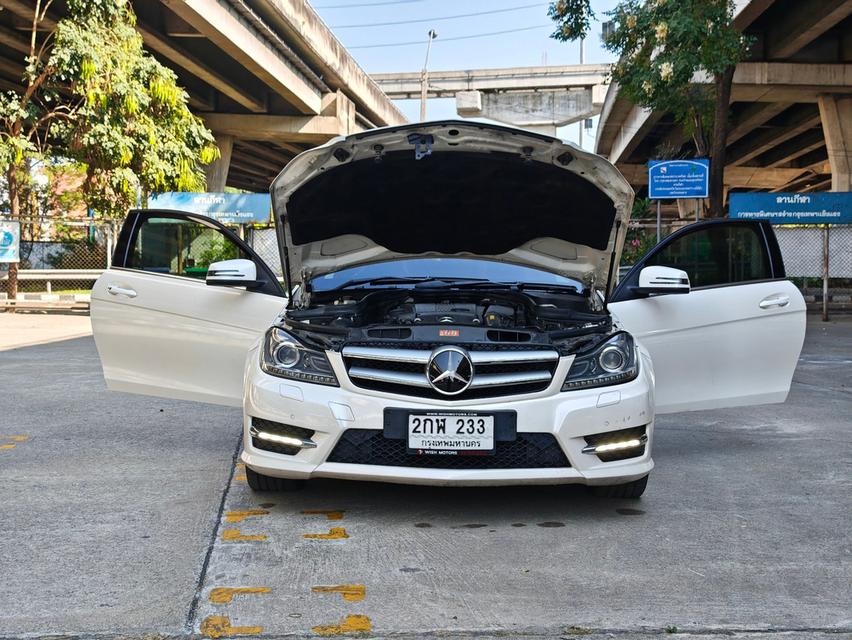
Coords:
pixel 278 429
pixel 616 436
pixel 528 451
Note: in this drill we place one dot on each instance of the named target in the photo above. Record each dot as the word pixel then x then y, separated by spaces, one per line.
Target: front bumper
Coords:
pixel 568 416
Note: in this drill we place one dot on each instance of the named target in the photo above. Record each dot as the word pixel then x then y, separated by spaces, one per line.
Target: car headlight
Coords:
pixel 283 356
pixel 612 362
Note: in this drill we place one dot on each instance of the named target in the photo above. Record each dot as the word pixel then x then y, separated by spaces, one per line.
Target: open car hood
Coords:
pixel 451 188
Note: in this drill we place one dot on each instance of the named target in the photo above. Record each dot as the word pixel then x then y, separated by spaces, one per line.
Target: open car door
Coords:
pixel 735 338
pixel 160 328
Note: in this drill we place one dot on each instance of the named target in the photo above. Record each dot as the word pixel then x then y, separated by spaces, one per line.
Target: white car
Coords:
pixel 449 316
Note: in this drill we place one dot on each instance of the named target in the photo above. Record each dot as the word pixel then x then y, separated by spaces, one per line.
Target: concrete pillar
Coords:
pixel 836 115
pixel 541 111
pixel 217 171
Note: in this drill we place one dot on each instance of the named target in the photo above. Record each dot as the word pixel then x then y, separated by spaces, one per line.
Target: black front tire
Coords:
pixel 631 490
pixel 259 482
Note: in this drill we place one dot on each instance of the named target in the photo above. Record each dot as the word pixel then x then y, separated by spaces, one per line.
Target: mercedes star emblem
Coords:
pixel 450 370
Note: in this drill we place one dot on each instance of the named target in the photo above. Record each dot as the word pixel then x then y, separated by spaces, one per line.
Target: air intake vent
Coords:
pixel 501 335
pixel 396 333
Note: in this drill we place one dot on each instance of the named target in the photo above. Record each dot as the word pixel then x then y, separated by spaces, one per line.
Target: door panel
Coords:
pixel 160 330
pixel 734 341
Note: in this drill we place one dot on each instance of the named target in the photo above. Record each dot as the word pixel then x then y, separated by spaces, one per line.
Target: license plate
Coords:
pixel 450 433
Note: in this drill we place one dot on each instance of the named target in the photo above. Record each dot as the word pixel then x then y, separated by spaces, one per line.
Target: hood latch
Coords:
pixel 422 144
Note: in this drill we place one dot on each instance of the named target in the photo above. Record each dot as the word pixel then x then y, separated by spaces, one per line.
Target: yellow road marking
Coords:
pixel 7 446
pixel 331 515
pixel 240 477
pixel 224 595
pixel 335 533
pixel 234 535
pixel 15 438
pixel 220 627
pixel 239 516
pixel 350 624
pixel 350 592
pixel 240 465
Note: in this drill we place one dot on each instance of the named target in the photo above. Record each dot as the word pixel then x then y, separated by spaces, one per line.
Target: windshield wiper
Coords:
pixel 516 286
pixel 393 280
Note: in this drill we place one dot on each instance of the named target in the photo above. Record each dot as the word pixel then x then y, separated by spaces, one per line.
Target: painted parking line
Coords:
pixel 220 627
pixel 240 472
pixel 350 592
pixel 224 595
pixel 234 535
pixel 350 624
pixel 239 516
pixel 15 440
pixel 329 514
pixel 335 533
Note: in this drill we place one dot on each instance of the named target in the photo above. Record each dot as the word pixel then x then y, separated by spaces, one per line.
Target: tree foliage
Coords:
pixel 91 93
pixel 662 47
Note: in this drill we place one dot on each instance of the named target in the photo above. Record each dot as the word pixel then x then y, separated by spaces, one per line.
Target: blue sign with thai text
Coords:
pixel 229 208
pixel 10 241
pixel 672 179
pixel 793 208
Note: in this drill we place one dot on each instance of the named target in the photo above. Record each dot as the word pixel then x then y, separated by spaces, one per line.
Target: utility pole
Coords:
pixel 424 76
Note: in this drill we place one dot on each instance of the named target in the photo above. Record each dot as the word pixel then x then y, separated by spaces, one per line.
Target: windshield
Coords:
pixel 450 268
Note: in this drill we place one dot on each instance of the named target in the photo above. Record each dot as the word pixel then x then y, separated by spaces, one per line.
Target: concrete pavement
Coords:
pixel 27 329
pixel 125 515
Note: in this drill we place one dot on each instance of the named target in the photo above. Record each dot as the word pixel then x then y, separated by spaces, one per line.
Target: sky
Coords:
pixel 355 23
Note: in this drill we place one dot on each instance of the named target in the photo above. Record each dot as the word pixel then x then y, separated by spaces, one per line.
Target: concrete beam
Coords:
pixel 12 39
pixel 747 11
pixel 735 177
pixel 320 48
pixel 196 67
pixel 217 171
pixel 635 126
pixel 788 81
pixel 794 148
pixel 836 115
pixel 25 10
pixel 276 129
pixel 444 84
pixel 753 116
pixel 542 109
pixel 224 28
pixel 802 24
pixel 791 125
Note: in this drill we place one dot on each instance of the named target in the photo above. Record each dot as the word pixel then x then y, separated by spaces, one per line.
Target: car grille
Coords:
pixel 499 371
pixel 527 451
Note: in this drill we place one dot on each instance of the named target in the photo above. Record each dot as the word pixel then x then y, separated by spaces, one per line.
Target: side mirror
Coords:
pixel 662 280
pixel 233 273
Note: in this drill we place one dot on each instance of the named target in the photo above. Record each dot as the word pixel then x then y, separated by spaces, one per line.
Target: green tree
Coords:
pixel 661 46
pixel 92 94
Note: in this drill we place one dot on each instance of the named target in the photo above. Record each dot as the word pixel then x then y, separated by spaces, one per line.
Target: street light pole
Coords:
pixel 424 76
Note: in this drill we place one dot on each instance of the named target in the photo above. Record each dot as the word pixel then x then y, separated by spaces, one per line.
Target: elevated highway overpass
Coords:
pixel 791 105
pixel 267 76
pixel 540 98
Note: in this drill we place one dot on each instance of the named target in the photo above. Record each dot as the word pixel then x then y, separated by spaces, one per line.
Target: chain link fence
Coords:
pixel 66 264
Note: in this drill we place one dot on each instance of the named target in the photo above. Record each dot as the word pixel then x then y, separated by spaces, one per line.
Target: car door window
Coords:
pixel 717 255
pixel 179 247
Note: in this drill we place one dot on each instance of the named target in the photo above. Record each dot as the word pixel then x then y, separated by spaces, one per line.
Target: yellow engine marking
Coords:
pixel 224 595
pixel 234 535
pixel 331 515
pixel 350 624
pixel 350 592
pixel 220 627
pixel 239 516
pixel 335 533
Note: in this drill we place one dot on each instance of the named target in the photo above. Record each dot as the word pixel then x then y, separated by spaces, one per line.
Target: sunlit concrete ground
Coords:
pixel 126 515
pixel 27 328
